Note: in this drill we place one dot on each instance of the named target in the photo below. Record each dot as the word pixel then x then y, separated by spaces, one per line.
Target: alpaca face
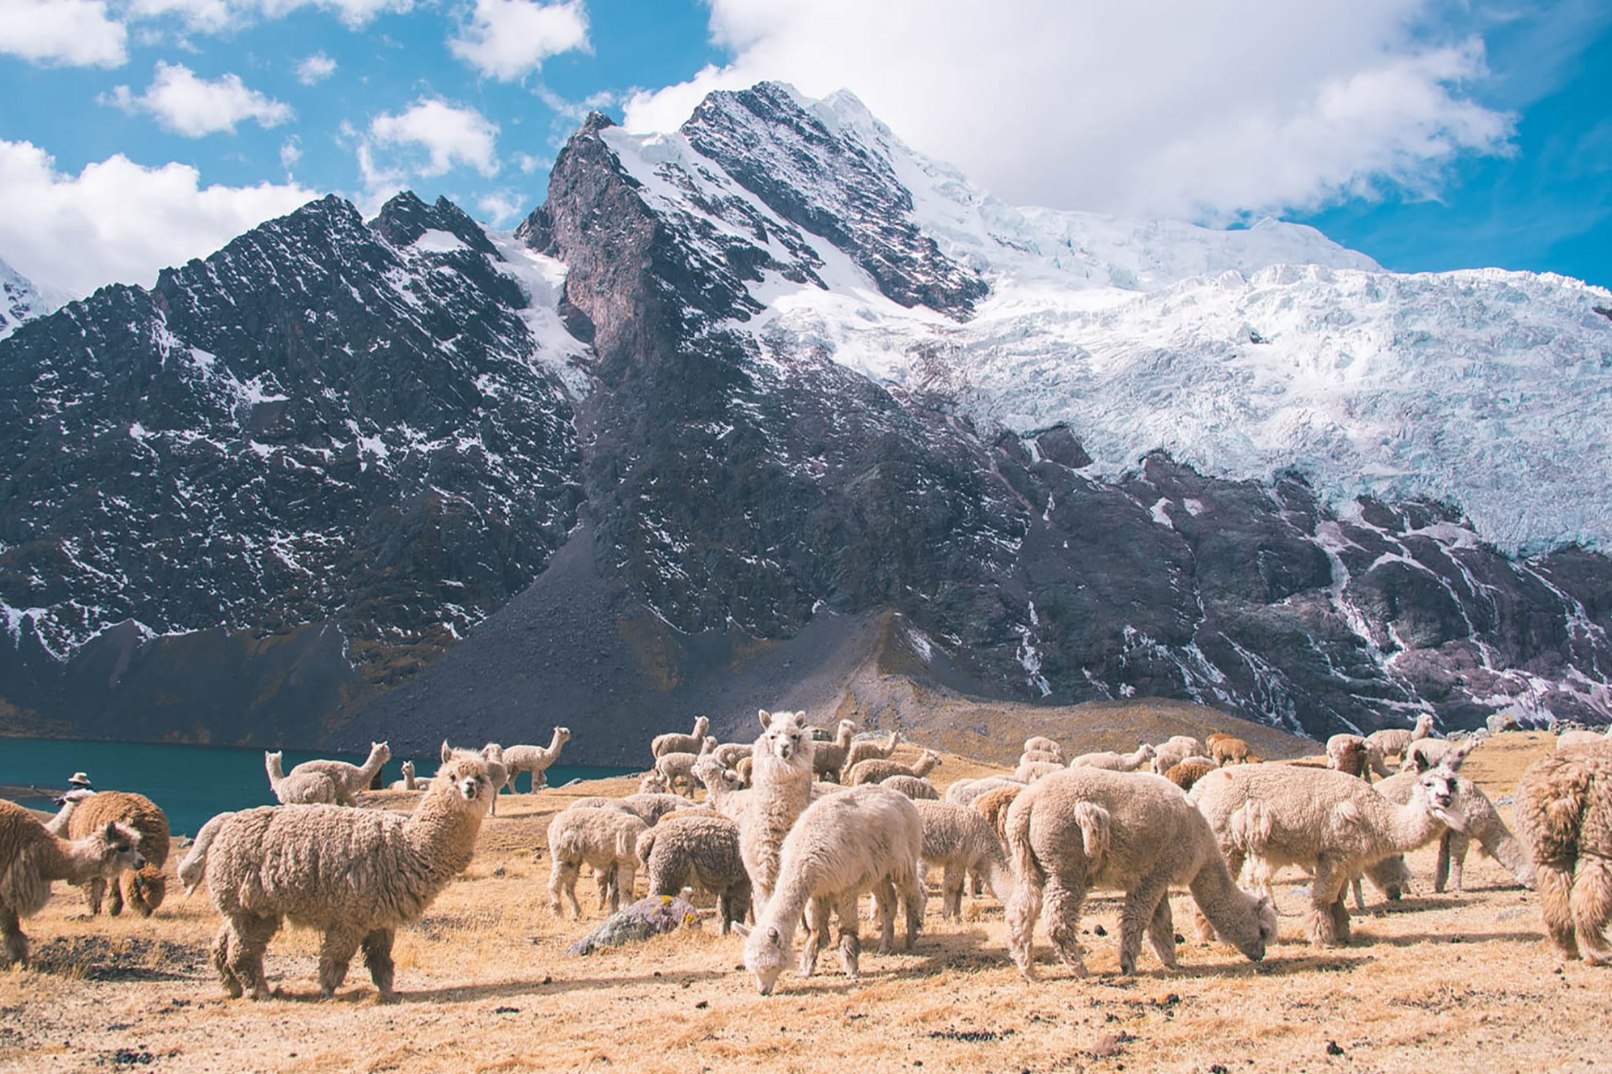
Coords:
pixel 786 734
pixel 468 778
pixel 764 957
pixel 1265 911
pixel 1440 784
pixel 120 848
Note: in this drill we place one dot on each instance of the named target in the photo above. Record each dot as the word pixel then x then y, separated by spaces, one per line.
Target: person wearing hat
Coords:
pixel 81 780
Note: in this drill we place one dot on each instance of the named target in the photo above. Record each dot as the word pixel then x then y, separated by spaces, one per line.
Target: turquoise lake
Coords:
pixel 190 783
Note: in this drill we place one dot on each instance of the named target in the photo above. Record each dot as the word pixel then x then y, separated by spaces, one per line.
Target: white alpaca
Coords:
pixel 1043 744
pixel 782 790
pixel 877 769
pixel 1396 740
pixel 869 749
pixel 829 757
pixel 1569 739
pixel 300 788
pixel 680 743
pixel 1173 750
pixel 677 769
pixel 31 858
pixel 1273 815
pixel 535 759
pixel 1088 828
pixel 867 838
pixel 728 754
pixel 960 841
pixel 491 755
pixel 917 788
pixel 606 840
pixel 1030 771
pixel 350 778
pixel 408 782
pixel 649 808
pixel 722 790
pixel 1042 757
pixel 964 791
pixel 1114 761
pixel 1480 821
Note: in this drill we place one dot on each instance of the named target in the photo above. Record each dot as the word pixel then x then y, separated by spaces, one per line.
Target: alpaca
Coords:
pixel 965 791
pixel 1090 827
pixel 1275 815
pixel 145 888
pixel 744 768
pixel 535 759
pixel 1350 755
pixel 1564 814
pixel 722 791
pixel 1228 750
pixel 649 808
pixel 31 858
pixel 408 782
pixel 828 758
pixel 491 756
pixel 1172 751
pixel 1190 771
pixel 1115 762
pixel 1043 744
pixel 68 802
pixel 875 770
pixel 607 840
pixel 867 838
pixel 867 749
pixel 1396 740
pixel 993 806
pixel 1568 739
pixel 1042 757
pixel 355 874
pixel 706 846
pixel 1426 752
pixel 300 788
pixel 350 778
pixel 1481 821
pixel 1030 771
pixel 677 768
pixel 783 790
pixel 915 787
pixel 679 743
pixel 729 753
pixel 961 841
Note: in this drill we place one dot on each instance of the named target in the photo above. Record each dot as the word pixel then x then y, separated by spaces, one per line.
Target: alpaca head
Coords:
pixel 492 751
pixel 408 768
pixel 463 780
pixel 764 956
pixel 381 749
pixel 148 886
pixel 273 760
pixel 702 724
pixel 1253 947
pixel 785 737
pixel 116 848
pixel 1439 783
pixel 562 734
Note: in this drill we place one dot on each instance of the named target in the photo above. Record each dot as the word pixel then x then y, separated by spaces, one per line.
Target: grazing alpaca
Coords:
pixel 1480 822
pixel 1273 815
pixel 705 846
pixel 866 838
pixel 357 875
pixel 350 778
pixel 1091 828
pixel 1228 750
pixel 782 790
pixel 868 749
pixel 31 858
pixel 680 743
pixel 1114 761
pixel 1030 771
pixel 300 788
pixel 879 769
pixel 144 888
pixel 1396 740
pixel 1190 771
pixel 535 759
pixel 1173 750
pixel 1564 814
pixel 1043 744
pixel 828 758
pixel 961 842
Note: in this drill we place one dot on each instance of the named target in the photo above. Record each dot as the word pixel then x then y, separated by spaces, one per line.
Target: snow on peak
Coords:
pixel 21 300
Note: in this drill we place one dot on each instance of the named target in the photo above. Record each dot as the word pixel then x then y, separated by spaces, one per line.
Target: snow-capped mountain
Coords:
pixel 773 395
pixel 21 299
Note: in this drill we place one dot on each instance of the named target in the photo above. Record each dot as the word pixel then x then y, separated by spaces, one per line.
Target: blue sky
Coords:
pixel 1429 134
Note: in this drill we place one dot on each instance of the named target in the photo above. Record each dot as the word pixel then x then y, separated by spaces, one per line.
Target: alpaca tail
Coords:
pixel 646 845
pixel 1015 828
pixel 194 868
pixel 1096 832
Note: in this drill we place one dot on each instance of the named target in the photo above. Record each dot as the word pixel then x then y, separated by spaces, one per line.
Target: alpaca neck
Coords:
pixel 1225 904
pixel 76 862
pixel 924 766
pixel 1413 825
pixel 271 763
pixel 785 909
pixel 554 743
pixel 843 739
pixel 371 766
pixel 442 835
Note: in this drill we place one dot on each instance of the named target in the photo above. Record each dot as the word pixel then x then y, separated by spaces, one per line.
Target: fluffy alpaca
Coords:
pixel 1336 825
pixel 1189 771
pixel 649 808
pixel 491 755
pixel 868 749
pixel 677 769
pixel 408 782
pixel 1426 752
pixel 300 788
pixel 915 787
pixel 357 875
pixel 1091 828
pixel 1043 744
pixel 606 840
pixel 145 888
pixel 1350 755
pixel 535 759
pixel 1564 814
pixel 728 754
pixel 1480 820
pixel 722 787
pixel 960 841
pixel 745 768
pixel 867 838
pixel 1030 771
pixel 680 743
pixel 877 770
pixel 965 791
pixel 828 758
pixel 1114 761
pixel 1396 740
pixel 1042 757
pixel 350 778
pixel 782 790
pixel 993 806
pixel 1228 750
pixel 1172 751
pixel 706 846
pixel 31 858
pixel 1569 739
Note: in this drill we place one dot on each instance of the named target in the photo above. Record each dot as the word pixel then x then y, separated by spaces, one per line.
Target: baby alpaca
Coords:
pixel 677 768
pixel 1228 750
pixel 1173 750
pixel 680 743
pixel 31 857
pixel 866 838
pixel 1087 828
pixel 1190 771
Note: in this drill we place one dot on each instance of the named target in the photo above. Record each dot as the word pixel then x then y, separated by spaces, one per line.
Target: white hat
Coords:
pixel 79 779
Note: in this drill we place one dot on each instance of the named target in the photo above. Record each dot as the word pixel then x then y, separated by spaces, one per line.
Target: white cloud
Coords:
pixel 290 152
pixel 215 16
pixel 194 107
pixel 1171 108
pixel 527 163
pixel 315 69
pixel 449 136
pixel 506 39
pixel 502 206
pixel 73 33
pixel 118 221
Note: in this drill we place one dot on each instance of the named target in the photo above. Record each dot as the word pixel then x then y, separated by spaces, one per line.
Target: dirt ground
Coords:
pixel 1457 982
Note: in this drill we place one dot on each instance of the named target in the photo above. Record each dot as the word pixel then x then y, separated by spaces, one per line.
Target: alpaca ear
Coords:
pixel 766 718
pixel 447 752
pixel 773 935
pixel 741 928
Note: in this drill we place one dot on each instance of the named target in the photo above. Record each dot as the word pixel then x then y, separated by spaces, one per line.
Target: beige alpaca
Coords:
pixel 680 743
pixel 300 788
pixel 1114 761
pixel 868 749
pixel 31 858
pixel 1394 741
pixel 1564 814
pixel 535 759
pixel 350 778
pixel 828 758
pixel 876 769
pixel 144 888
pixel 782 790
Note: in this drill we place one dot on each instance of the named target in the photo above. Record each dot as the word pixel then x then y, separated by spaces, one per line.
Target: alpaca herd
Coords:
pixel 796 826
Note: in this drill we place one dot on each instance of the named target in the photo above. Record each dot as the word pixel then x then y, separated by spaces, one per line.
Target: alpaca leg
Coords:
pixel 1555 887
pixel 16 944
pixel 850 939
pixel 1161 933
pixel 222 954
pixel 951 891
pixel 621 891
pixel 335 955
pixel 1023 907
pixel 94 893
pixel 114 892
pixel 378 959
pixel 252 934
pixel 885 902
pixel 1329 917
pixel 1591 903
pixel 1358 885
pixel 1459 843
pixel 817 914
pixel 913 899
pixel 1062 905
pixel 563 886
pixel 1235 859
pixel 1141 903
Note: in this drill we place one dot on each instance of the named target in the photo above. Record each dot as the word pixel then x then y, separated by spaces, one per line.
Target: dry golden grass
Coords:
pixel 1458 981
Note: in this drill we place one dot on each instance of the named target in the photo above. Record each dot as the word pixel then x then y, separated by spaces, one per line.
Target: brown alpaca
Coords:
pixel 1564 814
pixel 1228 750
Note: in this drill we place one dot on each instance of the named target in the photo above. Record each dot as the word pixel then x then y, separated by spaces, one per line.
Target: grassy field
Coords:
pixel 1460 981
